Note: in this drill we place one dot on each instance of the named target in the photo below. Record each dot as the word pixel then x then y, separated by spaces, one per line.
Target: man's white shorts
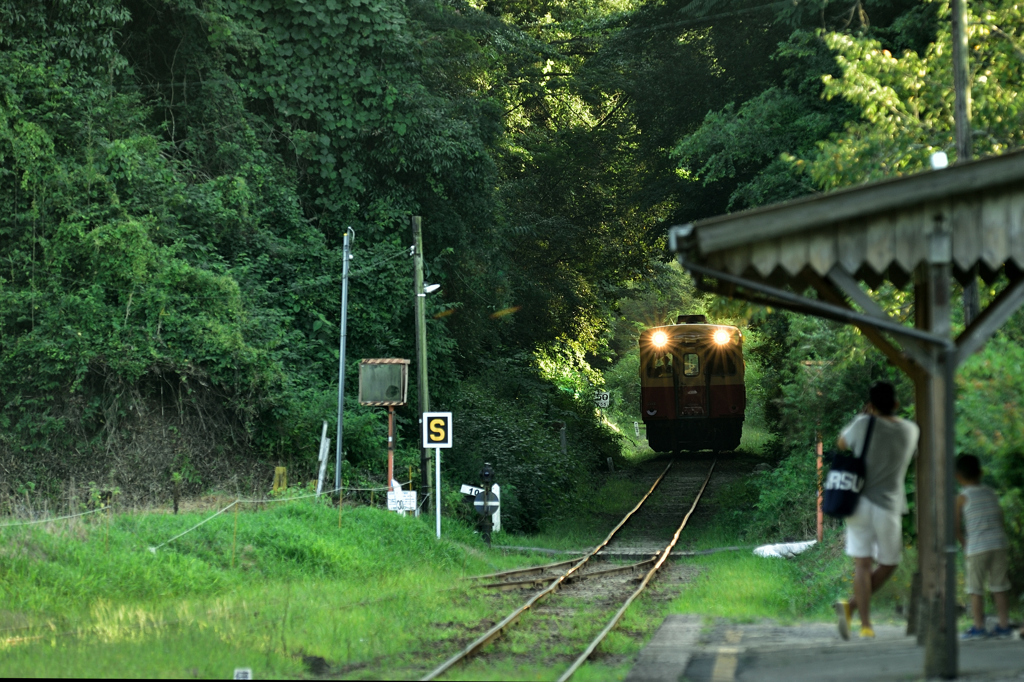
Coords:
pixel 874 532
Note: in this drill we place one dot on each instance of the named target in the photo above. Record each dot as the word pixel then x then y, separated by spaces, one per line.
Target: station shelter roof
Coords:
pixel 973 212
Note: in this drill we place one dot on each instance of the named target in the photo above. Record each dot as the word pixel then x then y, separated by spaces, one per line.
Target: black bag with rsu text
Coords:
pixel 845 479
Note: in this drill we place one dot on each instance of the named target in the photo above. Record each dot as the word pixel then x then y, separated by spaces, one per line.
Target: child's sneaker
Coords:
pixel 866 633
pixel 974 633
pixel 843 614
pixel 1002 633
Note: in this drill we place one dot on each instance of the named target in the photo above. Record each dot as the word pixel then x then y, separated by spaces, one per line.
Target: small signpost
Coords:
pixel 636 428
pixel 495 505
pixel 402 501
pixel 437 434
pixel 485 505
pixel 602 398
pixel 384 382
pixel 486 502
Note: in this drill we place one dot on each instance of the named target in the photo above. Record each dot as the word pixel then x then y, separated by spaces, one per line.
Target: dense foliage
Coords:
pixel 176 177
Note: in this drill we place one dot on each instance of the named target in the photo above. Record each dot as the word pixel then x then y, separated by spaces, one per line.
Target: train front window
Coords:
pixel 660 366
pixel 691 364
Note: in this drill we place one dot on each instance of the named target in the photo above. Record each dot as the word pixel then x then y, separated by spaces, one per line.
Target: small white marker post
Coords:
pixel 437 434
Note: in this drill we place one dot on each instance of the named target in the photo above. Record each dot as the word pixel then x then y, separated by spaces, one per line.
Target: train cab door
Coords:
pixel 691 391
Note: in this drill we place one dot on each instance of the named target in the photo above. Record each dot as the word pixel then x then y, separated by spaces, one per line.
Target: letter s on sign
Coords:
pixel 437 430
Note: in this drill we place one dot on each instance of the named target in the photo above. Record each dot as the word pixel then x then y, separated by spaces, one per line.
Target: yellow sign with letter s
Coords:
pixel 437 429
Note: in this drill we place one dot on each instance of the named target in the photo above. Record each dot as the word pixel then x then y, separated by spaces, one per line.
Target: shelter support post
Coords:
pixel 936 545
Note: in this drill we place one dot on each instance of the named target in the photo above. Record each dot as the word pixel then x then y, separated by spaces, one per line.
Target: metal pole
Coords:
pixel 421 348
pixel 437 488
pixel 818 452
pixel 391 446
pixel 350 235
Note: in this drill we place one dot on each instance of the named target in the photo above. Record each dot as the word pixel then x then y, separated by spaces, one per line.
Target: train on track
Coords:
pixel 692 395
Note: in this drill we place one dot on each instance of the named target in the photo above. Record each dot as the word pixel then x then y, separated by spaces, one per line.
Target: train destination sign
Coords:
pixel 437 429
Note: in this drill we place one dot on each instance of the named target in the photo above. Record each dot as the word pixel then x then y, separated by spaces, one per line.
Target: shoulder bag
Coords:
pixel 845 479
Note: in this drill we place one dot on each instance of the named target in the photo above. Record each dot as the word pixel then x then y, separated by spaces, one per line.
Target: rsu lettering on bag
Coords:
pixel 844 480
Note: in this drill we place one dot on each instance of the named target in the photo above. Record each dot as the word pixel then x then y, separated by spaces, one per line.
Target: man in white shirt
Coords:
pixel 874 532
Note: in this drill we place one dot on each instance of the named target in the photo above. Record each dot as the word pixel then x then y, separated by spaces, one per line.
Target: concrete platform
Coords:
pixel 684 650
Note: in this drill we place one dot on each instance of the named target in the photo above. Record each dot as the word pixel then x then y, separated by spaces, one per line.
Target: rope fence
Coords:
pixel 241 500
pixel 265 500
pixel 53 518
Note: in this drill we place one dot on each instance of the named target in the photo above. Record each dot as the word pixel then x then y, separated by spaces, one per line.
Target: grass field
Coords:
pixel 285 591
pixel 86 598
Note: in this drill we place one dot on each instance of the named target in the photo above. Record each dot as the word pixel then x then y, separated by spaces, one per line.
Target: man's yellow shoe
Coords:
pixel 867 633
pixel 843 614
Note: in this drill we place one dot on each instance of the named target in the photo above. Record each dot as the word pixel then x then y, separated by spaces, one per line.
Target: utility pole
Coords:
pixel 962 125
pixel 350 235
pixel 421 349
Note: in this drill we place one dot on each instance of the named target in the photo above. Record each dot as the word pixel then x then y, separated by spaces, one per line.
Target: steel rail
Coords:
pixel 522 571
pixel 514 584
pixel 496 631
pixel 643 585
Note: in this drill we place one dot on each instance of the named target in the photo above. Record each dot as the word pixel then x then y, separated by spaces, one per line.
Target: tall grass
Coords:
pixel 88 598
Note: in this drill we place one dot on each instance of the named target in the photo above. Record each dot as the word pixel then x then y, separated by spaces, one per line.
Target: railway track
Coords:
pixel 559 575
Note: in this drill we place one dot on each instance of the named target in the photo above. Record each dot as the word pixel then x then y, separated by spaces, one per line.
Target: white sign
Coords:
pixel 470 490
pixel 402 500
pixel 602 398
pixel 636 427
pixel 437 429
pixel 243 674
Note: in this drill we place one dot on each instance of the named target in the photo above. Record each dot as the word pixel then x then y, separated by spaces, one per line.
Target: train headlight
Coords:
pixel 659 339
pixel 721 337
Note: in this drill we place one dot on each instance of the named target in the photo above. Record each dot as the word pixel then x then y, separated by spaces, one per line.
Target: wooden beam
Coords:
pixel 841 313
pixel 828 292
pixel 848 285
pixel 985 325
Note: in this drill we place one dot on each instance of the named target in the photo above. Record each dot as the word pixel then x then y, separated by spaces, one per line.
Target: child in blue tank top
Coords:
pixel 979 517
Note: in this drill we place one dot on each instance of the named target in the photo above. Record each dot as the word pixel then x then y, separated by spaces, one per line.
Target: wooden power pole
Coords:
pixel 421 349
pixel 962 126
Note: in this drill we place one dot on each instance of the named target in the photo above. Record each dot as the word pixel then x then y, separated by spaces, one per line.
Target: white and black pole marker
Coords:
pixel 486 503
pixel 437 434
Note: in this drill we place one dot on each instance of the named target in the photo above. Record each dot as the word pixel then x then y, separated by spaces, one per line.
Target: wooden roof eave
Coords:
pixel 877 231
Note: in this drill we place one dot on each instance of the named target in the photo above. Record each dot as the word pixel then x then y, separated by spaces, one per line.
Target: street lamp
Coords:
pixel 430 288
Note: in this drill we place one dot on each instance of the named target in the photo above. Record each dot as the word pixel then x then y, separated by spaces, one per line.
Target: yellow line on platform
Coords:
pixel 725 664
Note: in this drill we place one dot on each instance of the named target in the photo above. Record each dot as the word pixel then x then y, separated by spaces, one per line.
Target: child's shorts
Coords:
pixel 987 568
